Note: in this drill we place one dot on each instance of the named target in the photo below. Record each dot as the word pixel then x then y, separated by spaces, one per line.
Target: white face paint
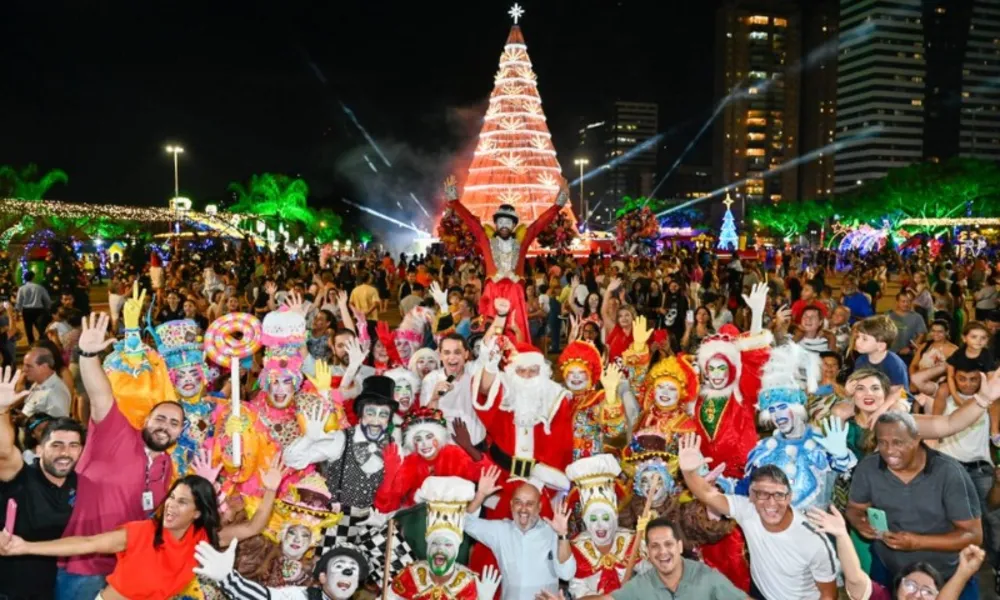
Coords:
pixel 342 578
pixel 601 523
pixel 425 365
pixel 717 373
pixel 783 417
pixel 405 350
pixel 426 444
pixel 505 223
pixel 647 481
pixel 442 550
pixel 281 390
pixel 404 395
pixel 296 541
pixel 577 379
pixel 187 381
pixel 374 421
pixel 666 395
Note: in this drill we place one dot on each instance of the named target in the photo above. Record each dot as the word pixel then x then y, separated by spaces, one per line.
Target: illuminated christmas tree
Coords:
pixel 728 238
pixel 515 161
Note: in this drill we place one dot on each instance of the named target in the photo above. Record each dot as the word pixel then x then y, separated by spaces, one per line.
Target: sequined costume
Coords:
pixel 671 421
pixel 599 423
pixel 598 572
pixel 811 470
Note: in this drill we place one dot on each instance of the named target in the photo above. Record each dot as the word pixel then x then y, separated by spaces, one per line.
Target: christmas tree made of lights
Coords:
pixel 728 238
pixel 515 161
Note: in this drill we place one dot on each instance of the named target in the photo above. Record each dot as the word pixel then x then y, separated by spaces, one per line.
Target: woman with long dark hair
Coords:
pixel 156 556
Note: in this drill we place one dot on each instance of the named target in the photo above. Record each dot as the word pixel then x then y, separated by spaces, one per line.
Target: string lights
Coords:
pixel 958 222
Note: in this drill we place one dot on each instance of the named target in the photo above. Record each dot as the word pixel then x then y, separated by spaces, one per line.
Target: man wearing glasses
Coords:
pixel 789 559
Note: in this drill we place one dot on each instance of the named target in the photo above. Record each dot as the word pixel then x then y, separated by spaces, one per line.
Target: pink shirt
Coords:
pixel 111 479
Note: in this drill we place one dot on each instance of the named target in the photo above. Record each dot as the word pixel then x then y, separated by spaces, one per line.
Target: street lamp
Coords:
pixel 583 162
pixel 175 150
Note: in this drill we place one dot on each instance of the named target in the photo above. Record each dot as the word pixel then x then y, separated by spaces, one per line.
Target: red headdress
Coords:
pixel 584 354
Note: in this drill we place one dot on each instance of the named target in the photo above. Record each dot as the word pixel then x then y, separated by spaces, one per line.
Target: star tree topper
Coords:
pixel 516 12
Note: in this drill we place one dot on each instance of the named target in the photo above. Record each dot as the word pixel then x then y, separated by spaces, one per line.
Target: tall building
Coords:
pixel 620 130
pixel 757 131
pixel 818 113
pixel 928 78
pixel 880 90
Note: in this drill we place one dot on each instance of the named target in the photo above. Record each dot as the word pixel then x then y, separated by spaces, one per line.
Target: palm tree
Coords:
pixel 26 183
pixel 274 198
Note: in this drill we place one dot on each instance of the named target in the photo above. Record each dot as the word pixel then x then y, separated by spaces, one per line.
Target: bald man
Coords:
pixel 534 553
pixel 49 394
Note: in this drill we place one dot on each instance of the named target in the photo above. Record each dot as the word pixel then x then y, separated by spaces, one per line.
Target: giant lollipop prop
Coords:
pixel 230 339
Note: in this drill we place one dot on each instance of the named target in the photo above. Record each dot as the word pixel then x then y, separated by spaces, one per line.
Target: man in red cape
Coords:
pixel 504 246
pixel 725 415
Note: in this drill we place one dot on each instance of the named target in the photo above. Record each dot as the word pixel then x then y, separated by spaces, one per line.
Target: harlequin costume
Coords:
pixel 181 346
pixel 504 258
pixel 726 419
pixel 447 499
pixel 599 571
pixel 671 422
pixel 598 415
pixel 449 461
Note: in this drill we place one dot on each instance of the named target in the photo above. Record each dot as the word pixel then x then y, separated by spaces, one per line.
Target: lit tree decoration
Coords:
pixel 728 238
pixel 515 162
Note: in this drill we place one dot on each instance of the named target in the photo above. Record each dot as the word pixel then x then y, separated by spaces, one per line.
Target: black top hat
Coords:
pixel 344 550
pixel 506 210
pixel 376 389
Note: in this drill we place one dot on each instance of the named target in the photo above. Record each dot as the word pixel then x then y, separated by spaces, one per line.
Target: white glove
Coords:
pixel 376 519
pixel 316 418
pixel 451 189
pixel 488 583
pixel 490 354
pixel 213 564
pixel 440 296
pixel 563 197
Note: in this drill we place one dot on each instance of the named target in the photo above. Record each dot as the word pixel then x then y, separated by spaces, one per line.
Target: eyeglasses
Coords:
pixel 765 496
pixel 912 587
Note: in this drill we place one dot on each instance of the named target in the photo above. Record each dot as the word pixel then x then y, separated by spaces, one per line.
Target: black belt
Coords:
pixel 975 464
pixel 516 466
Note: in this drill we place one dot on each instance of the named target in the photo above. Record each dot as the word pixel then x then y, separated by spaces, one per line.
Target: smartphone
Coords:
pixel 690 316
pixel 877 519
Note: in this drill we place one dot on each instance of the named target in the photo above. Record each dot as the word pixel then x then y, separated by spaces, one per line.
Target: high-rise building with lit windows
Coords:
pixel 818 115
pixel 880 90
pixel 757 41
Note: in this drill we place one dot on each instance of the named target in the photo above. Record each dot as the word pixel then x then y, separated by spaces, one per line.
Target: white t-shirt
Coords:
pixel 970 444
pixel 785 565
pixel 457 403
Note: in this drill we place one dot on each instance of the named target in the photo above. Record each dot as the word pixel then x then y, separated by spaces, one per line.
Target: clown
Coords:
pixel 504 246
pixel 429 452
pixel 440 577
pixel 407 392
pixel 281 398
pixel 423 362
pixel 137 373
pixel 670 385
pixel 602 551
pixel 651 464
pixel 409 336
pixel 180 345
pixel 340 572
pixel 528 416
pixel 810 460
pixel 598 415
pixel 354 461
pixel 284 553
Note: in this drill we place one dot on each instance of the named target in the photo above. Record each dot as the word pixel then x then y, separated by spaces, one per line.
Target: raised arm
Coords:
pixel 934 427
pixel 690 461
pixel 95 380
pixel 271 480
pixel 11 461
pixel 470 220
pixel 104 543
pixel 856 581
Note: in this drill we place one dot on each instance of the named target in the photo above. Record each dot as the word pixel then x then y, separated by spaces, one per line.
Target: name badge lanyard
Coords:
pixel 147 494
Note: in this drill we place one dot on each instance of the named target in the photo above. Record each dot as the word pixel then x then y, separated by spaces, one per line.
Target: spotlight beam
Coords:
pixel 376 213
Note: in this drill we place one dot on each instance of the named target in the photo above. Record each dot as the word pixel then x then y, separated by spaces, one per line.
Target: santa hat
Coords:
pixel 424 418
pixel 525 354
pixel 446 498
pixel 782 378
pixel 583 354
pixel 595 477
pixel 723 343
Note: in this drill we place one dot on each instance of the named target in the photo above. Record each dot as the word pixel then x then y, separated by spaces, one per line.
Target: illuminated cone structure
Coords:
pixel 515 161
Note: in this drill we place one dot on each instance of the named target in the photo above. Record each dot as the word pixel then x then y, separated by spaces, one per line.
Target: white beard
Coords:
pixel 531 400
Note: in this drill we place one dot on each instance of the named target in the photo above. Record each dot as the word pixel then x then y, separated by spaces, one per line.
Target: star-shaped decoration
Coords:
pixel 516 12
pixel 728 201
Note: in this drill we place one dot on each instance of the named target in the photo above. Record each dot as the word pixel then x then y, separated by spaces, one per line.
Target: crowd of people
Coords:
pixel 254 425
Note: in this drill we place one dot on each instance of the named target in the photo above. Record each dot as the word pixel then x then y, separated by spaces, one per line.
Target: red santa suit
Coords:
pixel 415 583
pixel 726 419
pixel 504 259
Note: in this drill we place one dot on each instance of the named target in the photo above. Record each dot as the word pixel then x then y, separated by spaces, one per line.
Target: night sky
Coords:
pixel 99 92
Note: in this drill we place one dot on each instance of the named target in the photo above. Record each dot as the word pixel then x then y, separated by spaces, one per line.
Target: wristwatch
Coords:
pixel 89 354
pixel 563 537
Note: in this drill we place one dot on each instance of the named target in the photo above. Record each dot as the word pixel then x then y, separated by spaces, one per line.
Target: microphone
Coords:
pixel 449 380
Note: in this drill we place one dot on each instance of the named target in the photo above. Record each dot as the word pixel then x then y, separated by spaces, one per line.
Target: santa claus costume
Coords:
pixel 504 245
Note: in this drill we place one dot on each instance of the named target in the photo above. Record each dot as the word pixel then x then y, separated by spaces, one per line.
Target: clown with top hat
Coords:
pixel 440 577
pixel 598 415
pixel 603 550
pixel 504 245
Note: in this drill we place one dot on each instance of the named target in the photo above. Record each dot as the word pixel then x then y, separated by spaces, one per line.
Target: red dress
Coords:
pixel 500 284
